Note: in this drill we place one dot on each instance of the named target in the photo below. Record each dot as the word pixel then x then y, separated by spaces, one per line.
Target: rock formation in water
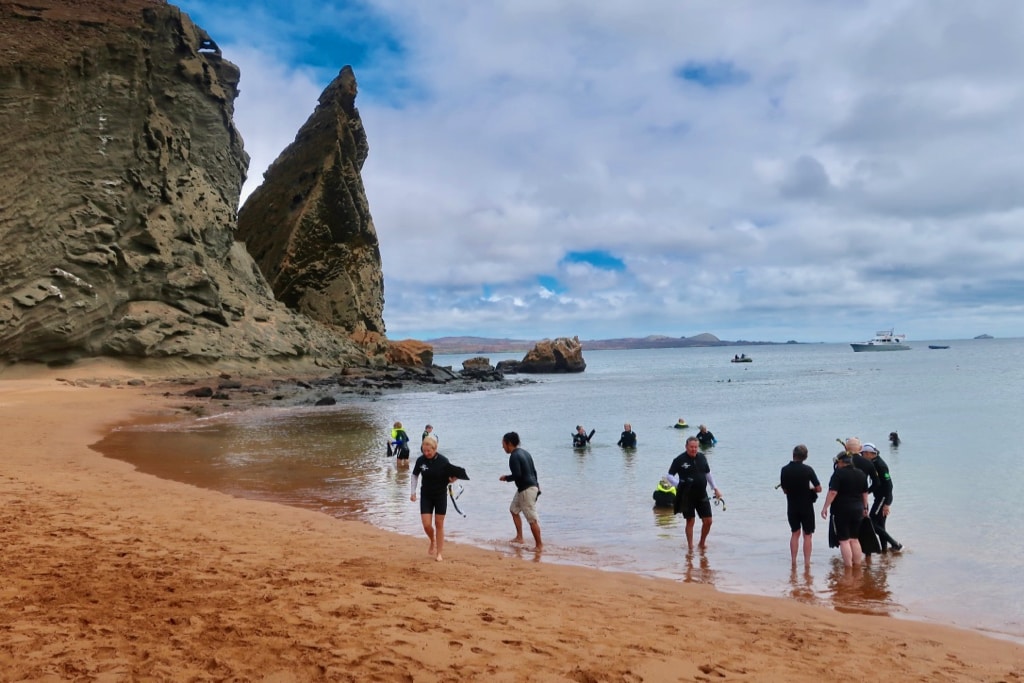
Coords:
pixel 549 356
pixel 308 225
pixel 121 172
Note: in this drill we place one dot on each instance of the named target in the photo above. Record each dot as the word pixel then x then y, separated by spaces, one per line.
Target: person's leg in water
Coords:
pixel 519 528
pixel 705 529
pixel 855 549
pixel 535 528
pixel 794 545
pixel 878 518
pixel 846 552
pixel 807 550
pixel 689 531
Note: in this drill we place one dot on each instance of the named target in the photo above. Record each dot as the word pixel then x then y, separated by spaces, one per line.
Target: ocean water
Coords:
pixel 957 473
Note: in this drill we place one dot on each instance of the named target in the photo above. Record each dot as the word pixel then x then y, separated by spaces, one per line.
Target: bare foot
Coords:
pixel 539 547
pixel 432 550
pixel 439 558
pixel 517 539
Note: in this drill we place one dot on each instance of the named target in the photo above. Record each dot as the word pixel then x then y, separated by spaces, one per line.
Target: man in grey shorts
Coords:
pixel 524 474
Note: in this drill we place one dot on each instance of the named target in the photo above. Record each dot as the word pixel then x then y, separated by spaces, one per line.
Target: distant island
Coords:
pixel 485 345
pixel 984 336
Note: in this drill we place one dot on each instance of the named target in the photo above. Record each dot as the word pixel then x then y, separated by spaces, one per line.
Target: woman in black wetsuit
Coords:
pixel 434 468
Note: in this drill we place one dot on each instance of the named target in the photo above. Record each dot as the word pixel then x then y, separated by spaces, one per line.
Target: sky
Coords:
pixel 810 170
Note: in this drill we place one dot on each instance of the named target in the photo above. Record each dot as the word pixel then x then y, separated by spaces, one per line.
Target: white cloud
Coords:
pixel 863 172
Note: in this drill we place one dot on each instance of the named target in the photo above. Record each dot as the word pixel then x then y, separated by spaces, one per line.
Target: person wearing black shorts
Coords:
pixel 801 486
pixel 434 468
pixel 692 493
pixel 848 500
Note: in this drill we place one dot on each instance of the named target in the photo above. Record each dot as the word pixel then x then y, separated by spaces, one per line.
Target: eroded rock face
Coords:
pixel 558 355
pixel 308 225
pixel 410 353
pixel 121 171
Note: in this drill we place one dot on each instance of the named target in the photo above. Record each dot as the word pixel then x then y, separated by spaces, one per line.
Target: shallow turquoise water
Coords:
pixel 957 473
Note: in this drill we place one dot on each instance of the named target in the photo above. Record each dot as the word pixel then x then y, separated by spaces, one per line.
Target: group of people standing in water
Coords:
pixel 856 525
pixel 853 519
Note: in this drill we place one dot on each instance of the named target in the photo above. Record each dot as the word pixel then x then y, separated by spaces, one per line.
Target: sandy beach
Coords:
pixel 113 575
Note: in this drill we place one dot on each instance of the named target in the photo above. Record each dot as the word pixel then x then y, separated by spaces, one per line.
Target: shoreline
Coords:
pixel 115 573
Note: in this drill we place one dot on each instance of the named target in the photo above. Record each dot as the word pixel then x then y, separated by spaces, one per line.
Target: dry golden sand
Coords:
pixel 112 575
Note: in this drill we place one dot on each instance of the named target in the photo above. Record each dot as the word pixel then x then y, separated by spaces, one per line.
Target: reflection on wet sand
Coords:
pixel 699 571
pixel 801 586
pixel 862 589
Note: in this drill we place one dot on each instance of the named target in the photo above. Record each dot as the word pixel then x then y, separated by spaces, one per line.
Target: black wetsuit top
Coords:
pixel 798 481
pixel 433 473
pixel 580 440
pixel 524 474
pixel 705 439
pixel 883 484
pixel 627 439
pixel 693 482
pixel 868 468
pixel 849 483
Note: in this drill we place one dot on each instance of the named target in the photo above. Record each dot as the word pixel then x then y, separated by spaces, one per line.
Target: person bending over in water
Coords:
pixel 434 469
pixel 705 438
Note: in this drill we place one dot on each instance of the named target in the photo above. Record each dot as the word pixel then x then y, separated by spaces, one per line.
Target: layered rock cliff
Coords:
pixel 120 172
pixel 308 225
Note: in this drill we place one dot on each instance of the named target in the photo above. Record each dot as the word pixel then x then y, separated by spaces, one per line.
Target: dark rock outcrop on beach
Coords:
pixel 308 225
pixel 553 356
pixel 351 383
pixel 121 172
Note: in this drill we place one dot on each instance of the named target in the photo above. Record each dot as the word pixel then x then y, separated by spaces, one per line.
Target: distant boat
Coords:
pixel 937 346
pixel 742 359
pixel 884 340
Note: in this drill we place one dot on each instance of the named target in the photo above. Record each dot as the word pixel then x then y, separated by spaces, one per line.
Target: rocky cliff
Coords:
pixel 308 225
pixel 121 172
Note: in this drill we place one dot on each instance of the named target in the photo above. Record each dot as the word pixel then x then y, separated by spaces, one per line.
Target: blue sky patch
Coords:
pixel 551 284
pixel 597 258
pixel 711 75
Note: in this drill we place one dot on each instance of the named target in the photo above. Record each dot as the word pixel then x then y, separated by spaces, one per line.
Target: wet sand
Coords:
pixel 112 575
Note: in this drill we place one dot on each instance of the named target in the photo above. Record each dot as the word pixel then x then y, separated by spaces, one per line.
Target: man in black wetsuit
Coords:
pixel 692 493
pixel 524 474
pixel 581 438
pixel 881 491
pixel 801 486
pixel 628 437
